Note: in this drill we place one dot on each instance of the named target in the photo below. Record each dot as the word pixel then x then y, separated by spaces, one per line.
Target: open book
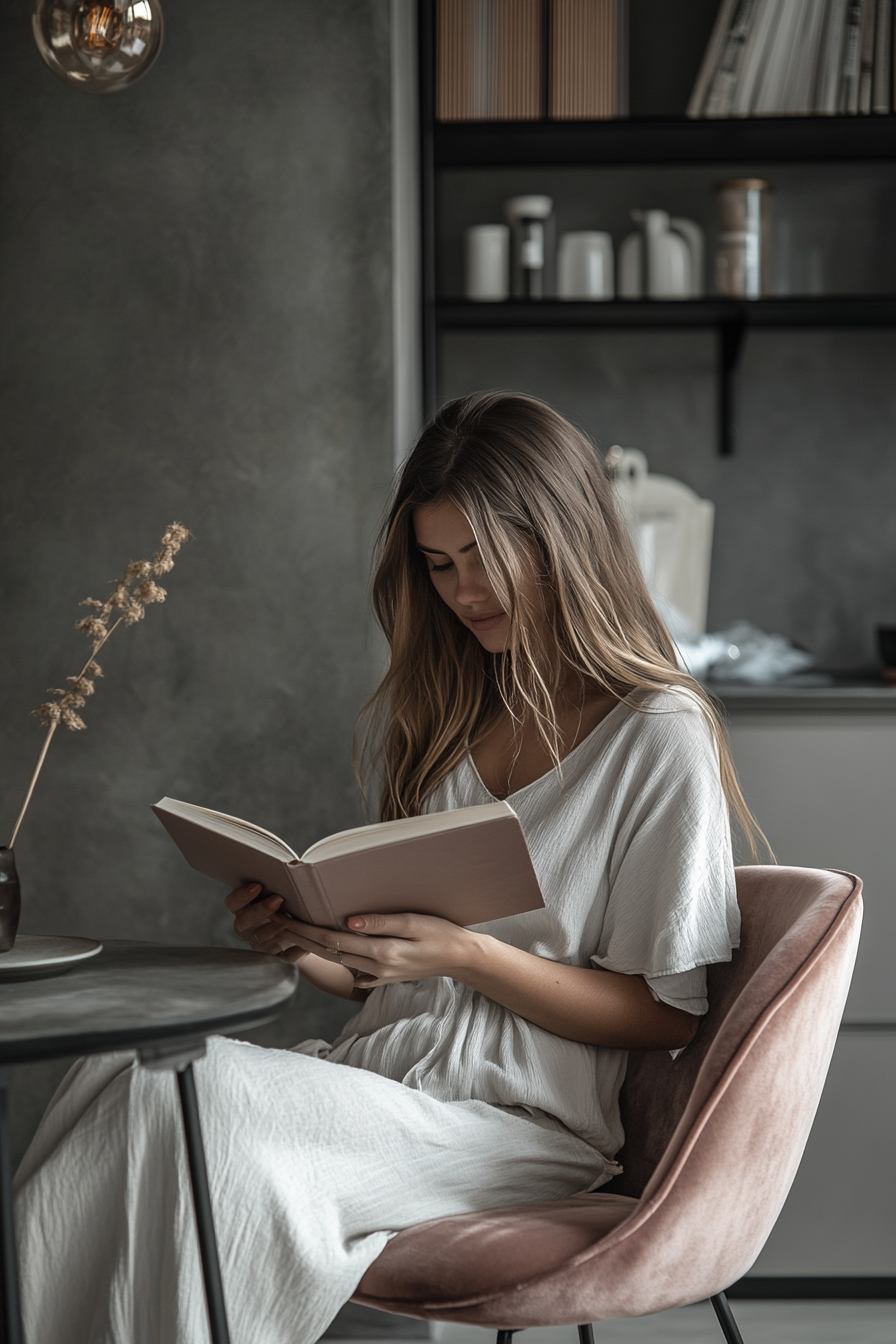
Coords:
pixel 469 866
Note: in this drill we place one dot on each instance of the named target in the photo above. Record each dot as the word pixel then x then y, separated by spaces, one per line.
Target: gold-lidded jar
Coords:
pixel 742 248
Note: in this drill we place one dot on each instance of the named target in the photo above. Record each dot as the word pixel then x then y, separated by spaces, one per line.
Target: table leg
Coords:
pixel 10 1306
pixel 208 1245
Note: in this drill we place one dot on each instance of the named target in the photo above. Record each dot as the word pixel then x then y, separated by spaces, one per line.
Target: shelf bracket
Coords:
pixel 730 334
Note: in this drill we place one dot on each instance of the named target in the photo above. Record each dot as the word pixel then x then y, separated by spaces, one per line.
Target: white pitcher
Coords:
pixel 663 260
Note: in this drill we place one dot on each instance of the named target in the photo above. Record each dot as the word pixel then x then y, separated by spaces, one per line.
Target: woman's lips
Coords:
pixel 486 622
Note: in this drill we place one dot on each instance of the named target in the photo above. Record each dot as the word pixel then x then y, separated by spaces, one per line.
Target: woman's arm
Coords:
pixel 580 1003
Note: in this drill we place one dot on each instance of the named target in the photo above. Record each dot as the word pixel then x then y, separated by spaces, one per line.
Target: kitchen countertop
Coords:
pixel 814 693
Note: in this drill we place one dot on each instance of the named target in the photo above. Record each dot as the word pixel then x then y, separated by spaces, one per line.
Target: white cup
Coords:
pixel 487 263
pixel 585 266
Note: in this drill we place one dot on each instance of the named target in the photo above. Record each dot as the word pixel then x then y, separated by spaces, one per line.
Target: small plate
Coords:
pixel 36 955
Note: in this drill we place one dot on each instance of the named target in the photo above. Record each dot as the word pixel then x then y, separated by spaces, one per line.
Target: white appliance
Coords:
pixel 671 527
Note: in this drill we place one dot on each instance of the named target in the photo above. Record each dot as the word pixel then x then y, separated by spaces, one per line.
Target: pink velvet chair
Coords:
pixel 713 1141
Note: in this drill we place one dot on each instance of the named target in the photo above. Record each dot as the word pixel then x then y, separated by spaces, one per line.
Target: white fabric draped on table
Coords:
pixel 308 1162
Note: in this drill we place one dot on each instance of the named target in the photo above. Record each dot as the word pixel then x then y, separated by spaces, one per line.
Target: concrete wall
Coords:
pixel 196 301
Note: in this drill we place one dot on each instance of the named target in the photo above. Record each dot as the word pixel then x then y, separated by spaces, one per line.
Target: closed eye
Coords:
pixel 438 569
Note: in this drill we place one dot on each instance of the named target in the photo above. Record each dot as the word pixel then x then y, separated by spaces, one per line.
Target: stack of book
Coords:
pixel 588 60
pixel 779 58
pixel 524 60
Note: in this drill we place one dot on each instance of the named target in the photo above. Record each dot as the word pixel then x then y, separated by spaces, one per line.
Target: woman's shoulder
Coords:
pixel 679 703
pixel 669 724
pixel 663 709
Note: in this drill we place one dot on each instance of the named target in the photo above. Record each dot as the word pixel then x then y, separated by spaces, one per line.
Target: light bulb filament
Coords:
pixel 99 28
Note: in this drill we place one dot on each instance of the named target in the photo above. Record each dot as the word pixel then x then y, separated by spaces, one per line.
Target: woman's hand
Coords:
pixel 386 949
pixel 254 923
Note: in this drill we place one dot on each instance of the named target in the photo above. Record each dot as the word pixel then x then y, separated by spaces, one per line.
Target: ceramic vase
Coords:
pixel 663 260
pixel 10 899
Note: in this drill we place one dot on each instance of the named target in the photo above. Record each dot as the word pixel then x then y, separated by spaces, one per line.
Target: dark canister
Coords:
pixel 886 646
pixel 10 900
pixel 532 245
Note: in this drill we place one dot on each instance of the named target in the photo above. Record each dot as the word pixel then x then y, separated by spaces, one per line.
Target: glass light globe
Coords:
pixel 99 47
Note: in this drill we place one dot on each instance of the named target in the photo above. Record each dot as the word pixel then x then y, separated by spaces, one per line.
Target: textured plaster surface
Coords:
pixel 195 291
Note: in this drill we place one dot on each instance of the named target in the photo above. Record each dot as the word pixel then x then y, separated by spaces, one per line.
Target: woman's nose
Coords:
pixel 472 587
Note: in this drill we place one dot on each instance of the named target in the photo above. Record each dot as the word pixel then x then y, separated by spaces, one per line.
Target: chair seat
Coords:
pixel 497 1250
pixel 713 1145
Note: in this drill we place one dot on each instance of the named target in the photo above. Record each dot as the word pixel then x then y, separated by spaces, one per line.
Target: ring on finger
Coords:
pixel 338 954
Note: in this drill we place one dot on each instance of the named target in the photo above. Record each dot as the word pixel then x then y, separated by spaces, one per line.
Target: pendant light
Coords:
pixel 98 47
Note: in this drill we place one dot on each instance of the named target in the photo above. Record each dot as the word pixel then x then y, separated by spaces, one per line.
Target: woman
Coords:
pixel 528 663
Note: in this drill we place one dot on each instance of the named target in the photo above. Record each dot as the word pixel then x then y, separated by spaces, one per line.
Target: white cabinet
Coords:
pixel 823 787
pixel 840 1216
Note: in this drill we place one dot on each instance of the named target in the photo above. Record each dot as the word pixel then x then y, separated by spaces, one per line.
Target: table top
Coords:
pixel 133 994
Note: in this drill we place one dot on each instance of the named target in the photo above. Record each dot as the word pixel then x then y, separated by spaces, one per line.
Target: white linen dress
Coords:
pixel 434 1100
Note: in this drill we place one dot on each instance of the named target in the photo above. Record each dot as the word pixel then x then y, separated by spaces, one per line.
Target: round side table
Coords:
pixel 163 1002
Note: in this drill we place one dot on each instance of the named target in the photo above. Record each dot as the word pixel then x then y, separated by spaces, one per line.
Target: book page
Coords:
pixel 233 826
pixel 380 833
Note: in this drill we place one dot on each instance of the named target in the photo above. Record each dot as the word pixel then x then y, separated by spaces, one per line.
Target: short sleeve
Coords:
pixel 686 990
pixel 672 905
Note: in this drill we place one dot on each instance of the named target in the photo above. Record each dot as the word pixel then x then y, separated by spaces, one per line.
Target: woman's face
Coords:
pixel 446 539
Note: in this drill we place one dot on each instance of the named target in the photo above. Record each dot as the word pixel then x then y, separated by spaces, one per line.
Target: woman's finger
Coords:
pixel 393 926
pixel 327 940
pixel 242 896
pixel 292 954
pixel 332 950
pixel 256 914
pixel 272 945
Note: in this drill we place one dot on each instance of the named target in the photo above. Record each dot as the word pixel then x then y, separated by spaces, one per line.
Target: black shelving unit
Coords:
pixel 858 310
pixel 670 140
pixel 658 141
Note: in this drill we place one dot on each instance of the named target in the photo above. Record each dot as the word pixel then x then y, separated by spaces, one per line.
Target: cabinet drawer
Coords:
pixel 824 791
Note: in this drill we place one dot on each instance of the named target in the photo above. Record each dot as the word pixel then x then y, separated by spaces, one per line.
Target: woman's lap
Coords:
pixel 311 1165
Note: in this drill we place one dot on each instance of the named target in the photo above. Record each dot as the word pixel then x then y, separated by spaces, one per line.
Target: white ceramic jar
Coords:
pixel 585 266
pixel 487 255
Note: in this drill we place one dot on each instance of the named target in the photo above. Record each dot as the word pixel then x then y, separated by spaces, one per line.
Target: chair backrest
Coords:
pixel 714 1140
pixel 785 914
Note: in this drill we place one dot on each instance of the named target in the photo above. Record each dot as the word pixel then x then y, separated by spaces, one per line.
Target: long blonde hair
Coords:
pixel 533 490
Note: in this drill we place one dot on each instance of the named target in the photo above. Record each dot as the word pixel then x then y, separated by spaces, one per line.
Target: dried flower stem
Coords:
pixel 52 725
pixel 131 602
pixel 51 728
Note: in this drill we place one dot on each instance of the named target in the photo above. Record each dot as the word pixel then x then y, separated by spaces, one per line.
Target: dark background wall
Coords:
pixel 195 290
pixel 805 531
pixel 805 534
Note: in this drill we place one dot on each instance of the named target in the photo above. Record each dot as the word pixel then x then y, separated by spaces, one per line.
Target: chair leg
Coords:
pixel 586 1335
pixel 726 1319
pixel 10 1309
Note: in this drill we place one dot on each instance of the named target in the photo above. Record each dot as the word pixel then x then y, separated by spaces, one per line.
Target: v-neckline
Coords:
pixel 553 771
